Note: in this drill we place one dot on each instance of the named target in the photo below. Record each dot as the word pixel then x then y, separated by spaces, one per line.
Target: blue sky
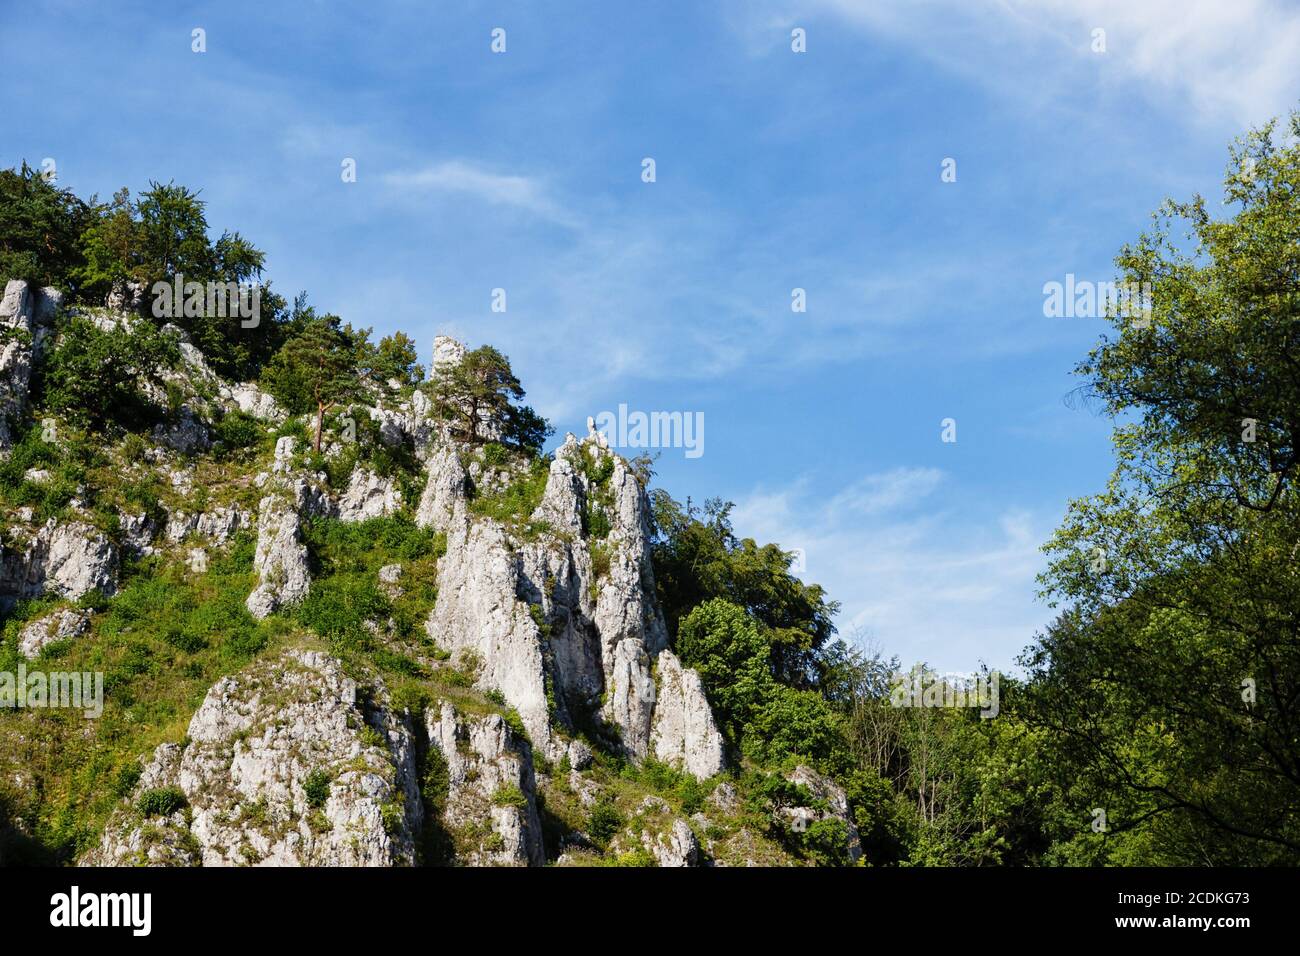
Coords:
pixel 774 170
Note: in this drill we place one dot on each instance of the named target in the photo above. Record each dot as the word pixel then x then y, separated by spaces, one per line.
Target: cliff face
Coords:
pixel 544 648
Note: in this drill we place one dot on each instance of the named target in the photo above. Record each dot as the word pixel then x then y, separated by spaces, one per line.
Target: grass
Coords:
pixel 161 643
pixel 514 505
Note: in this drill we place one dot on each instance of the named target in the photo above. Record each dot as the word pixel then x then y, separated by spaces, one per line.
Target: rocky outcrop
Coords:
pixel 368 496
pixel 684 733
pixel 281 557
pixel 69 560
pixel 218 525
pixel 251 400
pixel 479 616
pixel 26 316
pixel 667 838
pixel 831 803
pixel 489 779
pixel 59 626
pixel 287 764
pixel 187 433
pixel 540 614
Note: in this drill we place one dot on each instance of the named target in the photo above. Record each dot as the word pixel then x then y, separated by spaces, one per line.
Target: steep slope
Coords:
pixel 488 683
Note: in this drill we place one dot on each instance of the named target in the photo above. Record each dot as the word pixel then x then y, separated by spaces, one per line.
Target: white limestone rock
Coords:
pixel 253 744
pixel 490 778
pixel 368 496
pixel 218 525
pixel 251 400
pixel 684 733
pixel 188 434
pixel 59 626
pixel 280 559
pixel 824 789
pixel 69 560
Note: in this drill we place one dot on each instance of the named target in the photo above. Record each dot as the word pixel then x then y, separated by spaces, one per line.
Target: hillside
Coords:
pixel 404 648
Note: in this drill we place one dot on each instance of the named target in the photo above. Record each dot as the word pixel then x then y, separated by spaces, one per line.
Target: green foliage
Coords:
pixel 603 821
pixel 515 504
pixel 317 368
pixel 94 376
pixel 128 775
pixel 40 225
pixel 161 802
pixel 698 558
pixel 345 592
pixel 481 388
pixel 1142 683
pixel 792 723
pixel 509 795
pixel 236 431
pixel 396 358
pixel 721 642
pixel 316 787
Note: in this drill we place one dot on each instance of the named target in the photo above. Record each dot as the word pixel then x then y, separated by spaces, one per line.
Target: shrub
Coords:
pixel 317 788
pixel 236 430
pixel 93 376
pixel 126 779
pixel 604 820
pixel 509 795
pixel 161 802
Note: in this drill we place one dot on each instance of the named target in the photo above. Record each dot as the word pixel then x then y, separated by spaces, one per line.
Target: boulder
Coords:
pixel 59 626
pixel 286 764
pixel 684 733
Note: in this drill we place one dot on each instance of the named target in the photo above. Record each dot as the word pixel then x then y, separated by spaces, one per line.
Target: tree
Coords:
pixel 480 391
pixel 39 229
pixel 722 643
pixel 315 370
pixel 110 246
pixel 174 235
pixel 697 557
pixel 1173 679
pixel 93 376
pixel 396 359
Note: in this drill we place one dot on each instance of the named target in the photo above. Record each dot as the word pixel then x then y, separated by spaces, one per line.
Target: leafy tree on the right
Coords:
pixel 1169 688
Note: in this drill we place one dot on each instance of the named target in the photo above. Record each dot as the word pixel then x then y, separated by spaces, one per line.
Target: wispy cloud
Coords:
pixel 470 179
pixel 1235 60
pixel 920 580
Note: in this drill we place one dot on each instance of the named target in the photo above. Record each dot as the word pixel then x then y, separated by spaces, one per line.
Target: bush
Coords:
pixel 317 788
pixel 161 802
pixel 509 795
pixel 127 777
pixel 236 430
pixel 603 821
pixel 94 376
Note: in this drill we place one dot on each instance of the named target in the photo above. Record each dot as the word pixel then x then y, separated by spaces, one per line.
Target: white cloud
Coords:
pixel 1235 60
pixel 919 578
pixel 458 176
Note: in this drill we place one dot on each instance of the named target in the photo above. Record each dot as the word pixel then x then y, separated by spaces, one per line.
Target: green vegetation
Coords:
pixel 1165 693
pixel 482 386
pixel 92 377
pixel 162 802
pixel 317 788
